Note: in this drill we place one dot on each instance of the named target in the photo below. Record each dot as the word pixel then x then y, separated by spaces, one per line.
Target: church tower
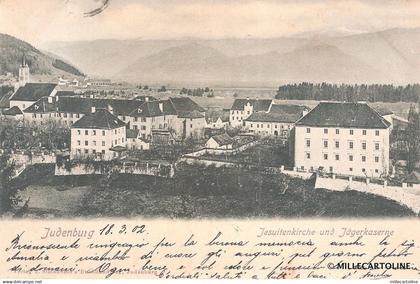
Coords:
pixel 23 72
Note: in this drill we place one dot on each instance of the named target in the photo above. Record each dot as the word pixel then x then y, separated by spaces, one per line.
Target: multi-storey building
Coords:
pixel 278 122
pixel 343 138
pixel 98 134
pixel 243 108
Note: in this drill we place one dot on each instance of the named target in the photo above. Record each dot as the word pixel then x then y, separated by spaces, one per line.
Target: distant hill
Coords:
pixel 391 56
pixel 12 50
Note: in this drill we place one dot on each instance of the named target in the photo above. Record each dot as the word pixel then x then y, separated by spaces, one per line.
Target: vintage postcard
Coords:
pixel 209 139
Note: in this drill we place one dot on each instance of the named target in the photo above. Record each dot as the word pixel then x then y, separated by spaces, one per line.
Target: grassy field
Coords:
pixel 198 193
pixel 224 97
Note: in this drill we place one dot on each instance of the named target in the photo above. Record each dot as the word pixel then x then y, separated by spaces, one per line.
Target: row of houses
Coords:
pixel 334 137
pixel 96 123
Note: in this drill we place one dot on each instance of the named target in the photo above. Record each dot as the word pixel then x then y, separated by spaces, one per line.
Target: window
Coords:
pixel 331 169
pixel 94 143
pixel 103 132
pixel 190 125
pixel 86 151
pixel 325 156
pixel 350 169
pixel 136 119
pixel 364 145
pixel 123 118
pixel 308 156
pixel 94 151
pixel 351 158
pixel 363 170
pixel 376 159
pixel 325 131
pixel 143 127
pixel 115 131
pixel 308 143
pixel 364 132
pixel 337 157
pixel 103 151
pixel 94 132
pixel 78 142
pixel 78 132
pixel 337 131
pixel 363 158
pixel 77 115
pixel 308 130
pixel 86 143
pixel 377 146
pixel 350 144
pixel 103 143
pixel 377 132
pixel 376 171
pixel 86 132
pixel 325 143
pixel 337 144
pixel 351 131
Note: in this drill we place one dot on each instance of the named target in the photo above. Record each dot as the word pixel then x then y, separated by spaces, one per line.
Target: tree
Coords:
pixel 8 191
pixel 413 138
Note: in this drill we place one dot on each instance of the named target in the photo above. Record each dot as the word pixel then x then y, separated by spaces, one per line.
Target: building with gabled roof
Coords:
pixel 98 134
pixel 343 138
pixel 221 141
pixel 29 93
pixel 42 110
pixel 14 113
pixel 413 179
pixel 135 141
pixel 277 122
pixel 242 108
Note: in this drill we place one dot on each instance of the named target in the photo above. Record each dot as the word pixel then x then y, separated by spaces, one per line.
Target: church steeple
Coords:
pixel 23 72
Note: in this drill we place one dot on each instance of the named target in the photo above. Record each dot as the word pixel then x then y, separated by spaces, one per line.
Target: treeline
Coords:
pixel 199 92
pixel 349 93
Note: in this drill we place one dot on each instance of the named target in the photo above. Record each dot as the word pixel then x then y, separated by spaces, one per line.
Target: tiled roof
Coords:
pixel 347 115
pixel 152 108
pixel 190 114
pixel 41 106
pixel 84 105
pixel 223 139
pixel 132 133
pixel 414 177
pixel 145 98
pixel 5 101
pixel 258 105
pixel 13 111
pixel 279 113
pixel 33 91
pixel 382 110
pixel 184 104
pixel 100 119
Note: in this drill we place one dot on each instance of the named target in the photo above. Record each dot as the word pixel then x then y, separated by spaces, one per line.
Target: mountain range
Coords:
pixel 12 51
pixel 390 56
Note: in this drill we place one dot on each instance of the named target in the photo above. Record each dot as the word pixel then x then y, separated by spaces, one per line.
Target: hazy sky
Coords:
pixel 39 21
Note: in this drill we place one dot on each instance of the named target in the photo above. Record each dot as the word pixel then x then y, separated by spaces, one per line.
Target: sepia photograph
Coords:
pixel 191 111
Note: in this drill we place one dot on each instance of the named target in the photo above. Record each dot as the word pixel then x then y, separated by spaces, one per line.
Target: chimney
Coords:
pixel 92 109
pixel 161 107
pixel 50 100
